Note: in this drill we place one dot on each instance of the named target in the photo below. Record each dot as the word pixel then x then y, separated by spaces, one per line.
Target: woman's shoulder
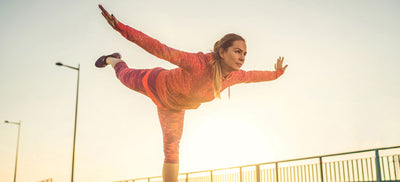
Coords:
pixel 201 61
pixel 205 55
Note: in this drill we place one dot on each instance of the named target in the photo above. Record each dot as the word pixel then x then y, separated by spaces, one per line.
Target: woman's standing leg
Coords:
pixel 172 127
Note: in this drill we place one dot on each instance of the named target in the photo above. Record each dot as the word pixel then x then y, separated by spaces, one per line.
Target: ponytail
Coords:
pixel 217 75
pixel 224 44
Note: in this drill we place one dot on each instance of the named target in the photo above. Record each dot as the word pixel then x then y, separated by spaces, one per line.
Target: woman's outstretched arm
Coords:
pixel 180 58
pixel 257 76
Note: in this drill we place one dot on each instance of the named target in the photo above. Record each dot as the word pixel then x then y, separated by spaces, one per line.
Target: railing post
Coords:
pixel 276 172
pixel 187 177
pixel 378 166
pixel 241 175
pixel 211 175
pixel 320 168
pixel 258 173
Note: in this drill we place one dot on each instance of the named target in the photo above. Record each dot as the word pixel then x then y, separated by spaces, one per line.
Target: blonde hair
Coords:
pixel 225 42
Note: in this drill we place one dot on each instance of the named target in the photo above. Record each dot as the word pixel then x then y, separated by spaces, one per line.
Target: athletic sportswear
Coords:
pixel 189 85
pixel 175 90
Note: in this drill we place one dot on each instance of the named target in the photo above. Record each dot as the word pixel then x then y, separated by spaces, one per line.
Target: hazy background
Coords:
pixel 340 92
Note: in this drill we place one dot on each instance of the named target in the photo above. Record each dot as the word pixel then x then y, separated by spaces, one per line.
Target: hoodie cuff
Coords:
pixel 279 72
pixel 120 26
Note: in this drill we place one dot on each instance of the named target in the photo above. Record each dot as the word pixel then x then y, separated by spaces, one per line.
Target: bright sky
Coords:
pixel 340 92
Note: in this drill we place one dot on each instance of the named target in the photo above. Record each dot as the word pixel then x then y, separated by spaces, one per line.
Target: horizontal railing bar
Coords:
pixel 292 160
pixel 281 161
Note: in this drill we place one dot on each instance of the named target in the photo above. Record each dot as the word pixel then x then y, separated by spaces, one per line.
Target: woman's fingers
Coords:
pixel 279 64
pixel 280 60
pixel 104 10
pixel 284 68
pixel 115 21
pixel 105 13
pixel 110 18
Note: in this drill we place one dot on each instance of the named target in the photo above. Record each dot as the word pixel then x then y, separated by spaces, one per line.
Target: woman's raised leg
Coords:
pixel 113 61
pixel 131 78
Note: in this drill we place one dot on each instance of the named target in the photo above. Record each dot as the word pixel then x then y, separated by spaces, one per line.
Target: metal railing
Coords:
pixel 47 180
pixel 380 165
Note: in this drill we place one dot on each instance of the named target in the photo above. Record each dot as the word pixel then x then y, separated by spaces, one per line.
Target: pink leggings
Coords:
pixel 143 81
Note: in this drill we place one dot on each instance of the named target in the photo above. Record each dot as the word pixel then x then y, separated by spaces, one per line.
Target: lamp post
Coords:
pixel 16 158
pixel 76 116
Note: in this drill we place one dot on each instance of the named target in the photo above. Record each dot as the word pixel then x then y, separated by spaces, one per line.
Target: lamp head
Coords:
pixel 59 64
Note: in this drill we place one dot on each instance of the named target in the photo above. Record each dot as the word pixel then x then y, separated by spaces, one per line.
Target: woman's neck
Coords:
pixel 225 73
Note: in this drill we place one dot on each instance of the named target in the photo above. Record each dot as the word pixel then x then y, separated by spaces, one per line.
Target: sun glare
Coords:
pixel 224 142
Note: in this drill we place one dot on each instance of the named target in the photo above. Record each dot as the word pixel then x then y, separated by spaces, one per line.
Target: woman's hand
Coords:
pixel 110 18
pixel 279 64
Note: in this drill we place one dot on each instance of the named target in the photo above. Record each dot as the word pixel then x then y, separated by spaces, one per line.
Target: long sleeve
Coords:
pixel 182 59
pixel 252 76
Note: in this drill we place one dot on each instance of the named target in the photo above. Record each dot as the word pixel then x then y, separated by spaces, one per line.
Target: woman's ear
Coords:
pixel 221 53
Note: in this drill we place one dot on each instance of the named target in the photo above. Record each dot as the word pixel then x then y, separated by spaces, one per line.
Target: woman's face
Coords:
pixel 233 57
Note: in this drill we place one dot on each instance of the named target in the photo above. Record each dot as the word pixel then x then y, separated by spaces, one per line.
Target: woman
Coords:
pixel 199 78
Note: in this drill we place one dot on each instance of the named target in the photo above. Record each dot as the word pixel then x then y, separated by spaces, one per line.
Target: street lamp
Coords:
pixel 76 115
pixel 16 158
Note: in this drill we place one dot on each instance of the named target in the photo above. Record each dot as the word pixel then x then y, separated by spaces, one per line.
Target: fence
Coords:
pixel 381 165
pixel 47 180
